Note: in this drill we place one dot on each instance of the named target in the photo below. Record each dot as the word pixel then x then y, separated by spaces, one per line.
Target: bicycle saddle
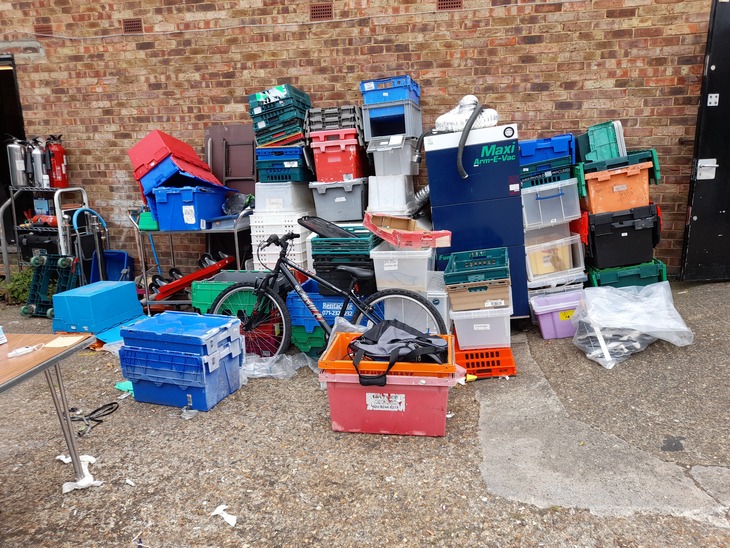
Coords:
pixel 359 273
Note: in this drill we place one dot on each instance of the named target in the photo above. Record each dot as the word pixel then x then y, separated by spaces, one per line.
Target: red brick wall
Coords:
pixel 549 67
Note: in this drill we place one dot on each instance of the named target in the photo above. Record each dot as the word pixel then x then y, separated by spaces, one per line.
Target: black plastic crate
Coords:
pixel 327 270
pixel 623 238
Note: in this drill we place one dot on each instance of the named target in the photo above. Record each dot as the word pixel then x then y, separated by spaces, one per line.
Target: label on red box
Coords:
pixel 385 402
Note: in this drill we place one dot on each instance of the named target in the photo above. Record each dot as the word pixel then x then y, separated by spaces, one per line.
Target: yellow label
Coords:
pixel 566 314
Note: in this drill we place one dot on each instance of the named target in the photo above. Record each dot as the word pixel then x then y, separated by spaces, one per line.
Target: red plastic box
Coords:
pixel 157 146
pixel 412 406
pixel 337 161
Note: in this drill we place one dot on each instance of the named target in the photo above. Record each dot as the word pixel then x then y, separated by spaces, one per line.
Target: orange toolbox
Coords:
pixel 617 189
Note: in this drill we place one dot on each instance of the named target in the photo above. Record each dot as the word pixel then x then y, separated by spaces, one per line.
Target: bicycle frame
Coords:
pixel 350 296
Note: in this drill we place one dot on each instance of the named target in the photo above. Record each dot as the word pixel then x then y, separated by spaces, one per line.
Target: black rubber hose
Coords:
pixel 419 144
pixel 462 141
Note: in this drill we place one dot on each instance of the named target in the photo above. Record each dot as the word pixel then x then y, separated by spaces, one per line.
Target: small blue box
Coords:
pixel 188 208
pixel 182 379
pixel 187 332
pixel 329 307
pixel 384 90
pixel 539 150
pixel 95 307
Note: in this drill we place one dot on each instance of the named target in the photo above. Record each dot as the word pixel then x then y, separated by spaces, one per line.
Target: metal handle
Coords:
pixel 707 165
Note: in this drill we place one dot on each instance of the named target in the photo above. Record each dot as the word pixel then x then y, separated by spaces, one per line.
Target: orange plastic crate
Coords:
pixel 486 362
pixel 336 161
pixel 617 189
pixel 336 359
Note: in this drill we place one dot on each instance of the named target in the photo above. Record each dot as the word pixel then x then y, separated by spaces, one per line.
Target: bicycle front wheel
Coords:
pixel 405 306
pixel 265 320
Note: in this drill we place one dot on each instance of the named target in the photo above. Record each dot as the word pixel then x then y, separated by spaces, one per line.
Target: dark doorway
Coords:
pixel 706 253
pixel 11 124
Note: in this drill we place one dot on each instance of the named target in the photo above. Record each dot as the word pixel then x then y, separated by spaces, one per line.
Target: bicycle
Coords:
pixel 265 320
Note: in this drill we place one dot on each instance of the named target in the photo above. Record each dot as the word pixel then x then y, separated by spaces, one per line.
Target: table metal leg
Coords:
pixel 61 404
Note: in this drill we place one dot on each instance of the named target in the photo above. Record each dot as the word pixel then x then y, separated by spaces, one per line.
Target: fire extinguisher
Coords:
pixel 38 163
pixel 56 162
pixel 17 161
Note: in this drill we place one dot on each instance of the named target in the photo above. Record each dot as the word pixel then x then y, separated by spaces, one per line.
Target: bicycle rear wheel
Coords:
pixel 405 306
pixel 270 331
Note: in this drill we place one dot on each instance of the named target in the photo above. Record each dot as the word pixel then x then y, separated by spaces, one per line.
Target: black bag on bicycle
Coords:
pixel 393 341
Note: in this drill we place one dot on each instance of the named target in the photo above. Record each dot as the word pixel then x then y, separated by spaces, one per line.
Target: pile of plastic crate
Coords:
pixel 554 255
pixel 479 290
pixel 183 359
pixel 620 226
pixel 392 122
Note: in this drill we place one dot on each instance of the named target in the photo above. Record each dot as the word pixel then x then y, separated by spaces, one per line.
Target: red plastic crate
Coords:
pixel 333 135
pixel 337 161
pixel 412 406
pixel 484 363
pixel 157 146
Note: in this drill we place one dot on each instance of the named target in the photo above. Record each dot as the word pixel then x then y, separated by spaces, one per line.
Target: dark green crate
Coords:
pixel 204 292
pixel 276 94
pixel 285 174
pixel 559 174
pixel 361 245
pixel 537 168
pixel 277 117
pixel 477 266
pixel 640 274
pixel 600 142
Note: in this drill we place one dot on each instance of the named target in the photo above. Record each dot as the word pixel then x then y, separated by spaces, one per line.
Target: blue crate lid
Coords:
pixel 195 332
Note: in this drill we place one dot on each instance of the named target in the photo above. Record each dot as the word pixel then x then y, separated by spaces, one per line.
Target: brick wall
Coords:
pixel 549 67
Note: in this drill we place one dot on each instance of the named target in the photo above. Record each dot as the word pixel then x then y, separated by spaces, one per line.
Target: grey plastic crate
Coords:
pixel 393 155
pixel 345 201
pixel 393 118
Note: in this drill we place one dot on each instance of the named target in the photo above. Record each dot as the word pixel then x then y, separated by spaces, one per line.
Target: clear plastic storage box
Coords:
pixel 403 268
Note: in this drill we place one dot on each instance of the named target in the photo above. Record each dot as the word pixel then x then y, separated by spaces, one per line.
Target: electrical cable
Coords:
pixel 94 418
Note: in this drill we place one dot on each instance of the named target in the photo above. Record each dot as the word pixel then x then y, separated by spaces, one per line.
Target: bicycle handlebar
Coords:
pixel 281 242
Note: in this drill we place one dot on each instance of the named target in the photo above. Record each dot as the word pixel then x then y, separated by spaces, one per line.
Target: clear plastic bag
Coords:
pixel 612 323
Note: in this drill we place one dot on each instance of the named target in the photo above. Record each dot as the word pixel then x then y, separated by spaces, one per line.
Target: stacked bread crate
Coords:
pixel 479 289
pixel 392 120
pixel 620 226
pixel 550 201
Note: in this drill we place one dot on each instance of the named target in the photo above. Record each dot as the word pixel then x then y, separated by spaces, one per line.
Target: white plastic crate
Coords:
pixel 283 197
pixel 268 257
pixel 391 195
pixel 297 245
pixel 402 268
pixel 488 328
pixel 279 223
pixel 393 155
pixel 559 256
pixel 550 204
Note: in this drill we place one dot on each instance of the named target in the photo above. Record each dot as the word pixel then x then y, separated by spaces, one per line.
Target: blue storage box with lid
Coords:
pixel 395 88
pixel 188 332
pixel 188 208
pixel 329 307
pixel 95 307
pixel 540 150
pixel 182 379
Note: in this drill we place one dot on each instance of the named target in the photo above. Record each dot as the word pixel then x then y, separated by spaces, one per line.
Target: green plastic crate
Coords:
pixel 308 342
pixel 361 245
pixel 477 266
pixel 537 168
pixel 278 93
pixel 640 274
pixel 599 143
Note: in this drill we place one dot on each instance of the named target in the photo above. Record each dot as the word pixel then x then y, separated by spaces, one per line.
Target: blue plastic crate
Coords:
pixel 173 171
pixel 188 208
pixel 396 88
pixel 183 332
pixel 181 379
pixel 539 150
pixel 329 307
pixel 276 155
pixel 95 307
